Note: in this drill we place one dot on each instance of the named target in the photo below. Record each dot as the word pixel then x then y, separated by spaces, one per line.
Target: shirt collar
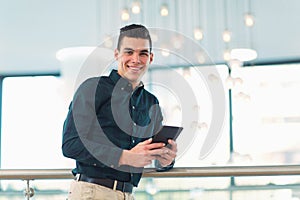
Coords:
pixel 114 76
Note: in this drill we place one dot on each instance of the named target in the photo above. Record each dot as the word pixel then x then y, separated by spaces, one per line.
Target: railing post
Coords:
pixel 29 192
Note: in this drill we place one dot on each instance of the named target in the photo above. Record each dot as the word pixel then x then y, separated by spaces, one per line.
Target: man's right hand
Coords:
pixel 142 154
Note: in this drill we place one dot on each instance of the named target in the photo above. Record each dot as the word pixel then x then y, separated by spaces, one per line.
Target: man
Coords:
pixel 110 123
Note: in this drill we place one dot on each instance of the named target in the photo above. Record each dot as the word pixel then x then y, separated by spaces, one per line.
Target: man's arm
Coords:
pixel 83 138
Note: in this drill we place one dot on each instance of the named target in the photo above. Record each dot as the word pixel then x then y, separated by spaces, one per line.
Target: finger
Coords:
pixel 158 151
pixel 169 151
pixel 160 159
pixel 172 142
pixel 146 141
pixel 169 154
pixel 172 153
pixel 173 145
pixel 155 145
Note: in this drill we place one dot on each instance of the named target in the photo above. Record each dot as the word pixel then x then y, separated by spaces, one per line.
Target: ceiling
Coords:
pixel 32 31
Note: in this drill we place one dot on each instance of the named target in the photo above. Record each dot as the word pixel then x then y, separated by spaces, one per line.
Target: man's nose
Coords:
pixel 136 57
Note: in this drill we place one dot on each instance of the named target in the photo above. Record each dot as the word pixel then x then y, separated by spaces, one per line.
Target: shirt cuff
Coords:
pixel 114 157
pixel 160 168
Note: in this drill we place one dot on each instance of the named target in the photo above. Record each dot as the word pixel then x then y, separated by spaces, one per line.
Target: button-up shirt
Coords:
pixel 106 116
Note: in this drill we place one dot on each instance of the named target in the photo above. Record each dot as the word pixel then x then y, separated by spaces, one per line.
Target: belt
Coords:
pixel 112 184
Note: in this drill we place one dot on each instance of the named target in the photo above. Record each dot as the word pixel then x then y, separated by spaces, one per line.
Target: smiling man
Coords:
pixel 110 124
pixel 133 57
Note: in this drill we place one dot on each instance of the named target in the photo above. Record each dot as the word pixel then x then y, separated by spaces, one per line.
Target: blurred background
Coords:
pixel 248 49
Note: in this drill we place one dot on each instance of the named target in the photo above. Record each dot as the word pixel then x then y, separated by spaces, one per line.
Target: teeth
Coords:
pixel 135 68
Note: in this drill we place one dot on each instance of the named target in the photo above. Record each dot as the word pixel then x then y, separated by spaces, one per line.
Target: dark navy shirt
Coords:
pixel 106 116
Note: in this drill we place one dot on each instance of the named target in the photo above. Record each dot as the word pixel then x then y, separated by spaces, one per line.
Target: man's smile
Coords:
pixel 135 68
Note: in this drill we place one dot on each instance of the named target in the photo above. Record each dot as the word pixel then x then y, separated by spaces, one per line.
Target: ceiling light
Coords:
pixel 108 42
pixel 238 81
pixel 243 54
pixel 198 34
pixel 203 126
pixel 177 41
pixel 187 73
pixel 226 55
pixel 164 11
pixel 235 64
pixel 165 52
pixel 242 96
pixel 136 8
pixel 200 57
pixel 213 78
pixel 154 36
pixel 249 20
pixel 229 82
pixel 226 36
pixel 151 188
pixel 125 15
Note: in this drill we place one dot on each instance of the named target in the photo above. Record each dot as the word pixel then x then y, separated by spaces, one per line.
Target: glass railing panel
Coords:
pixel 43 189
pixel 181 188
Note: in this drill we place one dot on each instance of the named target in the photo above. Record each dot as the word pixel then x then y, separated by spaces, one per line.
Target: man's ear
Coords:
pixel 151 58
pixel 116 54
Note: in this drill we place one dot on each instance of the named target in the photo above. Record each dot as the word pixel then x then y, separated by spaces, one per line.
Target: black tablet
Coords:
pixel 167 132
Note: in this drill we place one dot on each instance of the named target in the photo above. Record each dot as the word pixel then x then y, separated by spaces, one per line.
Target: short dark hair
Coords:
pixel 134 31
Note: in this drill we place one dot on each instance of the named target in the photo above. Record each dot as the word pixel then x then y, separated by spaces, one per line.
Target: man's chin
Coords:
pixel 133 74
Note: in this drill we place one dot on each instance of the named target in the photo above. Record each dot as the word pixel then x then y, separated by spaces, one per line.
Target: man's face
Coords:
pixel 133 59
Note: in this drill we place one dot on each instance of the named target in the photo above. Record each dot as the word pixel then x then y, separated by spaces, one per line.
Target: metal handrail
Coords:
pixel 216 171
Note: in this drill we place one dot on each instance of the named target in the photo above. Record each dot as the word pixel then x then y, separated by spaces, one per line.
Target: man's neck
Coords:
pixel 135 84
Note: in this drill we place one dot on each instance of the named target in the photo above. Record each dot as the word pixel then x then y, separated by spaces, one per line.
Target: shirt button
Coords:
pixel 95 164
pixel 133 107
pixel 122 88
pixel 133 141
pixel 134 124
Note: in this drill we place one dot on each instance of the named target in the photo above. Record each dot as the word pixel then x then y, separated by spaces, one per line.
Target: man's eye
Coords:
pixel 144 54
pixel 128 52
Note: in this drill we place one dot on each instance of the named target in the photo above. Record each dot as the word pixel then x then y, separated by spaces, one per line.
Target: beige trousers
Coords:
pixel 80 190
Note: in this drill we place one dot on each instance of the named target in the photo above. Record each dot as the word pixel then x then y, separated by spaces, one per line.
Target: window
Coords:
pixel 33 112
pixel 266 115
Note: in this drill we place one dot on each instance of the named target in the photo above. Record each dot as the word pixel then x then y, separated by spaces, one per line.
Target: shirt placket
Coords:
pixel 132 108
pixel 134 119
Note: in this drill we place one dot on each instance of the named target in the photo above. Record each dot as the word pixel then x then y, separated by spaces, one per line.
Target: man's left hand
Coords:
pixel 169 154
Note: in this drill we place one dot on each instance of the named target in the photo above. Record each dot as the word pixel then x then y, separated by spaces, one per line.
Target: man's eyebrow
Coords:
pixel 145 51
pixel 130 49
